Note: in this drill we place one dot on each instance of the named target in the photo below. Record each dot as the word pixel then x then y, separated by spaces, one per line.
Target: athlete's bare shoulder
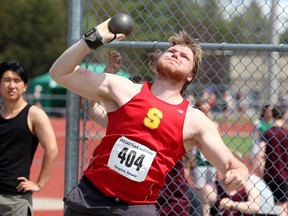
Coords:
pixel 123 89
pixel 196 127
pixel 196 120
pixel 120 91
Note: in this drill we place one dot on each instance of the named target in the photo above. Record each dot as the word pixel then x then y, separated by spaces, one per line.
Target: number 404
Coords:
pixel 130 158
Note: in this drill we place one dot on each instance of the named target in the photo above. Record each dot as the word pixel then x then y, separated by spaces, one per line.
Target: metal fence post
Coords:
pixel 73 104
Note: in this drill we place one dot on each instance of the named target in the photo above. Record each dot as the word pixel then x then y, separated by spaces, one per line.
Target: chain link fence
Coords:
pixel 244 68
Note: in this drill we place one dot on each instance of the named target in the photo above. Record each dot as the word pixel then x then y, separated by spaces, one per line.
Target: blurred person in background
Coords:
pixel 114 62
pixel 209 96
pixel 241 104
pixel 274 157
pixel 228 103
pixel 218 200
pixel 260 125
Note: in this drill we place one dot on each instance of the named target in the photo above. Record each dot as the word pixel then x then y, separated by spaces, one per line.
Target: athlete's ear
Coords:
pixel 190 77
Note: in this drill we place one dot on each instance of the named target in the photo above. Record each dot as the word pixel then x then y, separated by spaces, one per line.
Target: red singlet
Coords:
pixel 144 139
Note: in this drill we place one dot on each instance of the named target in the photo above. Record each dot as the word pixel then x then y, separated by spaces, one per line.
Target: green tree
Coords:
pixel 250 27
pixel 205 21
pixel 33 32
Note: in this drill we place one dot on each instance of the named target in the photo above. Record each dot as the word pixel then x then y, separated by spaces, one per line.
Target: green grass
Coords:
pixel 239 143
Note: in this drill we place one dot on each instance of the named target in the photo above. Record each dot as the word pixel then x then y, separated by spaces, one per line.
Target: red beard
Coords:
pixel 168 71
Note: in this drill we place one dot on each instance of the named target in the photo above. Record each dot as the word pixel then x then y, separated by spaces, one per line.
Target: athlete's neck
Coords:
pixel 167 91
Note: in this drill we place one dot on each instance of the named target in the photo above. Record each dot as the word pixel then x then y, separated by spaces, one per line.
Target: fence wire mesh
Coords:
pixel 244 68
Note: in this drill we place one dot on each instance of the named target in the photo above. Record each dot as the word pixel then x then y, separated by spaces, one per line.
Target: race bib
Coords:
pixel 131 159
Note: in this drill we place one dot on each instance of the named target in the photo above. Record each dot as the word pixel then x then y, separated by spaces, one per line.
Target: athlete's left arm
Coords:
pixel 205 136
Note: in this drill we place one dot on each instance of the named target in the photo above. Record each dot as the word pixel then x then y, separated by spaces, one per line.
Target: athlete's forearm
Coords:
pixel 68 61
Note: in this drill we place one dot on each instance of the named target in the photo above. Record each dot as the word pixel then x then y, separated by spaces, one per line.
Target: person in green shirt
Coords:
pixel 260 125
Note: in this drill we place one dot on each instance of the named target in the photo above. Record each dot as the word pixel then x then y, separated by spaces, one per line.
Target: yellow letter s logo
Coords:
pixel 153 118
